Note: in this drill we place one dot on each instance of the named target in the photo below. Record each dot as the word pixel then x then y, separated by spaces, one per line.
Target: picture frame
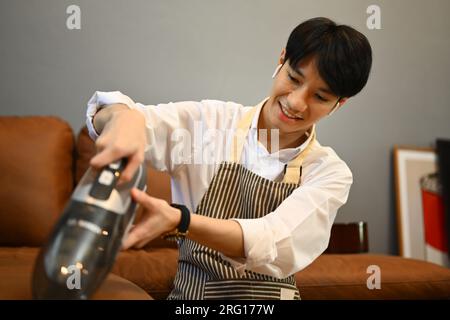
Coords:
pixel 411 164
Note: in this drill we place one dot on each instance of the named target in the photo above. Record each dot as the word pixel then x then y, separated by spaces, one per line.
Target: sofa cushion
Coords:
pixel 153 269
pixel 16 267
pixel 36 180
pixel 344 276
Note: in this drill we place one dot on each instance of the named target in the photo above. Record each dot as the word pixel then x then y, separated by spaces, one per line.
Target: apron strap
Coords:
pixel 293 172
pixel 237 145
pixel 293 168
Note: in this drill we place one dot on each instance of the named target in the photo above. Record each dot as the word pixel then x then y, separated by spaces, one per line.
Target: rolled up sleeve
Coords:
pixel 165 125
pixel 297 232
pixel 99 99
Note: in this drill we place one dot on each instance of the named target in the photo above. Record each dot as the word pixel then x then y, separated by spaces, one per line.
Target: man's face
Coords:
pixel 299 98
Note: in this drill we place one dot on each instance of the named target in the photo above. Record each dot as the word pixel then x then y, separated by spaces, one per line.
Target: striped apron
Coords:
pixel 235 192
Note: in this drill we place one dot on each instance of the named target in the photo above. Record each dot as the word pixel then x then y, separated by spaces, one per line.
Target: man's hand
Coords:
pixel 158 218
pixel 122 135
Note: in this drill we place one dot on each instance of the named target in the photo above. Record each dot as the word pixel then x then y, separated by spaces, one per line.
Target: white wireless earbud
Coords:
pixel 277 70
pixel 334 109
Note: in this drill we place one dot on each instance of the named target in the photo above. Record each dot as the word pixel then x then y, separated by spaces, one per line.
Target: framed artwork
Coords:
pixel 411 165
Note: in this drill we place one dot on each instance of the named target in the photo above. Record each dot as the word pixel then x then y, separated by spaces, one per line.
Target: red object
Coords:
pixel 434 220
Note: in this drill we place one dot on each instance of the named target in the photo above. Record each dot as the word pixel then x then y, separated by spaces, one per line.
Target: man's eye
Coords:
pixel 321 98
pixel 292 78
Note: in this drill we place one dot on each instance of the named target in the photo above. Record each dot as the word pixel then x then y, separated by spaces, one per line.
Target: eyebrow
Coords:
pixel 299 72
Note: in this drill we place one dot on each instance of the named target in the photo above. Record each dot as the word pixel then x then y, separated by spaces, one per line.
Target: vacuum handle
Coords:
pixel 107 179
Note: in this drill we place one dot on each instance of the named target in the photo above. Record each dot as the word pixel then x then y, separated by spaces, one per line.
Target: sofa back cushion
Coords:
pixel 36 179
pixel 158 183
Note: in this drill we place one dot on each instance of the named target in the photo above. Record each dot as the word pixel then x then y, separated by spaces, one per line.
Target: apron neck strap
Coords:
pixel 237 145
pixel 293 170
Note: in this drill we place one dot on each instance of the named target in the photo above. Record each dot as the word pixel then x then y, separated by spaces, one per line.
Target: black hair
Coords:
pixel 343 55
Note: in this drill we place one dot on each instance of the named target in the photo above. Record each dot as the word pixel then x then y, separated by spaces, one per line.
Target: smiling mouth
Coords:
pixel 288 114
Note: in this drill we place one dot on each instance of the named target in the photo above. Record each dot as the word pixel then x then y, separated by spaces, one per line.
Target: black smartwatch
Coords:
pixel 181 230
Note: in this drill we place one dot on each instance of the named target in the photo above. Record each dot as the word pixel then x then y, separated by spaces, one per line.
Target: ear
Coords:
pixel 282 55
pixel 342 101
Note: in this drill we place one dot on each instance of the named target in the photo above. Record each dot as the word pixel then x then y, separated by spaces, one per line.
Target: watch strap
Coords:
pixel 182 229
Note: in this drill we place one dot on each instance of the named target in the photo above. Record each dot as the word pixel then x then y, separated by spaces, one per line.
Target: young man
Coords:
pixel 251 224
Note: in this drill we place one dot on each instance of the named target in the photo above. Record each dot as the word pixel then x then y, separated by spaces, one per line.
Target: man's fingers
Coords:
pixel 131 168
pixel 143 232
pixel 140 244
pixel 137 237
pixel 130 240
pixel 133 242
pixel 137 234
pixel 144 199
pixel 103 158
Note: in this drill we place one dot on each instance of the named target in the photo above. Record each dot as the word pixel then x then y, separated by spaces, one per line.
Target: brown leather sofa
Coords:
pixel 41 161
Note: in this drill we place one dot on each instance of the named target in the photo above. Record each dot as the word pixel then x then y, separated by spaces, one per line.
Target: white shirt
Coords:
pixel 278 244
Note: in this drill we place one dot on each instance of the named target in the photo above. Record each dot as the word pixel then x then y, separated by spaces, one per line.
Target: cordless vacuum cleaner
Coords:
pixel 84 244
